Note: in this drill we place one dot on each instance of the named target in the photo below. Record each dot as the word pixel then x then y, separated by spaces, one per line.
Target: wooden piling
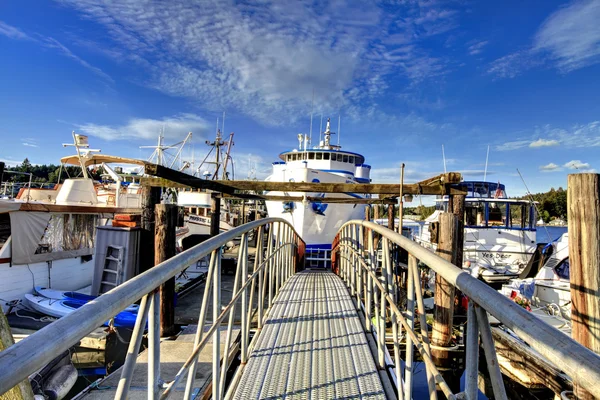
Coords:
pixel 444 291
pixel 150 198
pixel 215 214
pixel 583 204
pixel 390 216
pixel 166 222
pixel 23 390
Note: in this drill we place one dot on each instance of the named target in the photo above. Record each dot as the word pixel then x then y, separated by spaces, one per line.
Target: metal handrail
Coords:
pixel 580 363
pixel 20 360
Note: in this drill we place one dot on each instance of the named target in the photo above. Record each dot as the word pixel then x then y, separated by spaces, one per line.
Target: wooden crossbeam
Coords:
pixel 166 177
pixel 328 200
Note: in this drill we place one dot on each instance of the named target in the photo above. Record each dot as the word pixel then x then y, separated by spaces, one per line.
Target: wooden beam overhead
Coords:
pixel 439 185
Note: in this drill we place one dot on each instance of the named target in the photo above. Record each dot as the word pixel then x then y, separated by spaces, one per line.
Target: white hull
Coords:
pixel 314 228
pixel 66 274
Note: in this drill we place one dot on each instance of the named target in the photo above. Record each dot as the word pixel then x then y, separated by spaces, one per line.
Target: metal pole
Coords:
pixel 410 314
pixel 491 359
pixel 369 285
pixel 216 393
pixel 472 356
pixel 245 320
pixel 133 349
pixel 201 320
pixel 154 346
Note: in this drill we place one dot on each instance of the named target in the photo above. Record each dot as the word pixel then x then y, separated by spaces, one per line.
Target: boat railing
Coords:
pixel 374 286
pixel 275 259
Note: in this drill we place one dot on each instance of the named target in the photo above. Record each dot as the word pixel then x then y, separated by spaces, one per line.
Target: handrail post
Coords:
pixel 472 356
pixel 270 279
pixel 216 393
pixel 154 346
pixel 368 303
pixel 410 319
pixel 491 359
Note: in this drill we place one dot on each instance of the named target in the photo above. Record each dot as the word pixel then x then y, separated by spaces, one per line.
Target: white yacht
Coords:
pixel 500 233
pixel 47 235
pixel 318 222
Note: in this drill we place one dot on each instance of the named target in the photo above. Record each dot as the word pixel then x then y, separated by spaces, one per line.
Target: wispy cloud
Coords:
pixel 551 167
pixel 266 58
pixel 579 135
pixel 544 143
pixel 175 127
pixel 577 164
pixel 51 43
pixel 568 39
pixel 477 47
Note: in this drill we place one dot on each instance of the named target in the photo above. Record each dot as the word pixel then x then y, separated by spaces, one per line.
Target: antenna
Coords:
pixel 444 158
pixel 320 128
pixel 223 126
pixel 217 124
pixel 339 128
pixel 312 102
pixel 486 163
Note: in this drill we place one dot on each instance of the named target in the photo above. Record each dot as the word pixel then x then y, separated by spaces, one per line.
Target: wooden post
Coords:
pixel 458 209
pixel 444 292
pixel 166 222
pixel 583 204
pixel 391 216
pixel 23 390
pixel 215 214
pixel 150 198
pixel 243 212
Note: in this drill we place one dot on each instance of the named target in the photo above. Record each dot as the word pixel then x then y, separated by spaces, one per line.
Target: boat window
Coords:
pixel 474 214
pixel 497 214
pixel 333 157
pixel 520 216
pixel 311 156
pixel 351 159
pixel 562 269
pixel 345 158
pixel 325 156
pixel 319 156
pixel 296 157
pixel 4 228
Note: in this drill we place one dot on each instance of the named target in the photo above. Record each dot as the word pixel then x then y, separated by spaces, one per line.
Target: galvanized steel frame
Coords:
pixel 376 293
pixel 273 265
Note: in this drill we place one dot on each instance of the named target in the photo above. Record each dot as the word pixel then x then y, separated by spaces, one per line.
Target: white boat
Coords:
pixel 500 233
pixel 47 236
pixel 550 289
pixel 318 222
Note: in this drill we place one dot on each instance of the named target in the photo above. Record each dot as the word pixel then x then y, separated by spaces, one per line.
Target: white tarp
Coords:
pixel 27 230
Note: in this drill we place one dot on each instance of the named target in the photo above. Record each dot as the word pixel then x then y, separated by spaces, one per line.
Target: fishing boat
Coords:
pixel 499 235
pixel 317 222
pixel 47 236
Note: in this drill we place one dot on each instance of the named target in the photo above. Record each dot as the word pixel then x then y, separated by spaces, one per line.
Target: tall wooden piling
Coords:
pixel 215 214
pixel 444 291
pixel 583 203
pixel 150 198
pixel 391 216
pixel 166 223
pixel 23 390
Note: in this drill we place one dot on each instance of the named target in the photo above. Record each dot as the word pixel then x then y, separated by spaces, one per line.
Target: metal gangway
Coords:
pixel 305 333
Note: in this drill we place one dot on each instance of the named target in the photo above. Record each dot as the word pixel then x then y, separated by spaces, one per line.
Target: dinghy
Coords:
pixel 75 296
pixel 60 308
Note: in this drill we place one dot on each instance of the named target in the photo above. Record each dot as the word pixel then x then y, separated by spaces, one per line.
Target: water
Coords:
pixel 546 234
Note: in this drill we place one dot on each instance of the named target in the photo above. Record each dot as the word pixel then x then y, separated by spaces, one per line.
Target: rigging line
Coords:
pixel 534 205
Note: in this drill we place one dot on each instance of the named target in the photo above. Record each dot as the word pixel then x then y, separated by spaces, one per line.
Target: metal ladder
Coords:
pixel 112 273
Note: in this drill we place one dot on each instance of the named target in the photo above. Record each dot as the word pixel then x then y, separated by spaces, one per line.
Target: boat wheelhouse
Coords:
pixel 500 233
pixel 317 222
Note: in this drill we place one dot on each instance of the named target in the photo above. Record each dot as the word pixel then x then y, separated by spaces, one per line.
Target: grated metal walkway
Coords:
pixel 312 346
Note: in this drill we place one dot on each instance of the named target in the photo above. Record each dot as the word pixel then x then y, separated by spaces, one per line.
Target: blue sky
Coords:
pixel 405 76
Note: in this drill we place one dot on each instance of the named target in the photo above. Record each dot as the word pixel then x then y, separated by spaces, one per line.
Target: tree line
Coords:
pixel 44 173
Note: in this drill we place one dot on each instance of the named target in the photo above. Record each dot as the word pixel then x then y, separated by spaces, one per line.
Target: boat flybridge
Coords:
pixel 318 222
pixel 500 233
pixel 47 236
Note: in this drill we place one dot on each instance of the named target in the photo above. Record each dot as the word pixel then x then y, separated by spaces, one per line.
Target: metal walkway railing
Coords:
pixel 312 345
pixel 275 261
pixel 376 293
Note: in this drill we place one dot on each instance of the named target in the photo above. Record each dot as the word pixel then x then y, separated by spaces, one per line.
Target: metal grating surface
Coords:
pixel 312 346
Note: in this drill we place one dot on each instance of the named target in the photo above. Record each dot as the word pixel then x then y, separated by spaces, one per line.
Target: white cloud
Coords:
pixel 551 167
pixel 577 164
pixel 514 145
pixel 571 35
pixel 175 127
pixel 12 32
pixel 30 144
pixel 266 58
pixel 544 143
pixel 514 64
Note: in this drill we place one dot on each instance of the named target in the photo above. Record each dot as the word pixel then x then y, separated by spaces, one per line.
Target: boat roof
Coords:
pixel 101 158
pixel 317 150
